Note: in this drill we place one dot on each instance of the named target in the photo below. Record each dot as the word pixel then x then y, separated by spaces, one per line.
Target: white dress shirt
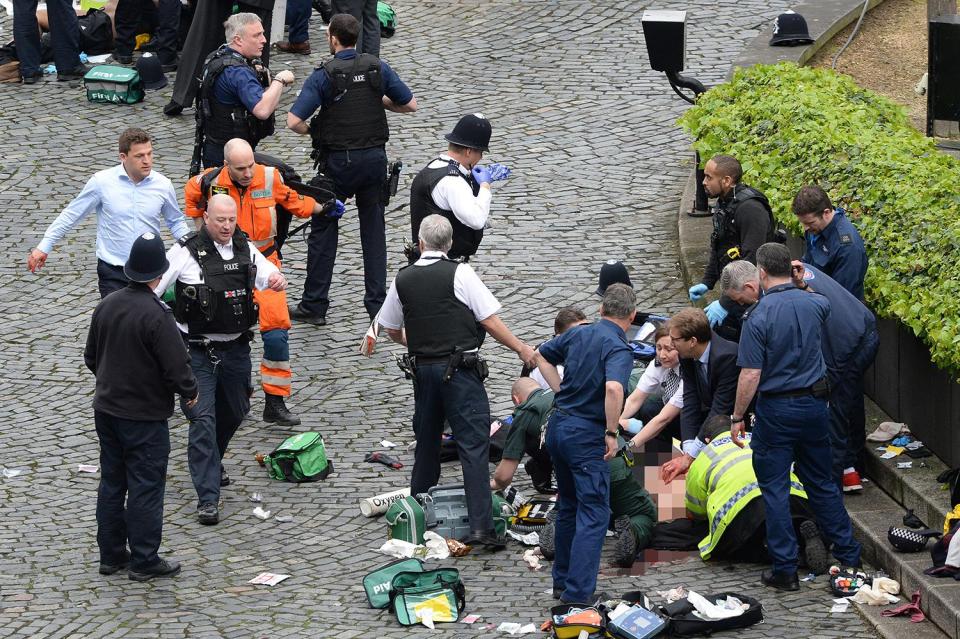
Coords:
pixel 454 194
pixel 652 382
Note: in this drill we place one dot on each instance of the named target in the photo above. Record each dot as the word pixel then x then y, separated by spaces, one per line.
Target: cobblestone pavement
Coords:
pixel 598 165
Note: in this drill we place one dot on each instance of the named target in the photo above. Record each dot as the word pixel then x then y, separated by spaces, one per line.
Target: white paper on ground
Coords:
pixel 386 443
pixel 527 629
pixel 888 455
pixel 10 473
pixel 87 468
pixel 508 626
pixel 268 579
pixel 470 619
pixel 530 539
pixel 260 513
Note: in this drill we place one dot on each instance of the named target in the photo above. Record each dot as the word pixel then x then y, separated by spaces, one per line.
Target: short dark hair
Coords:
pixel 132 136
pixel 566 318
pixel 729 166
pixel 774 258
pixel 692 322
pixel 811 199
pixel 619 302
pixel 345 28
pixel 716 425
pixel 662 331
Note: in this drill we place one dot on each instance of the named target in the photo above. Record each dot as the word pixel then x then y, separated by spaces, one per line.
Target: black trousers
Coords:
pixel 127 20
pixel 110 278
pixel 133 467
pixel 463 402
pixel 745 538
pixel 365 11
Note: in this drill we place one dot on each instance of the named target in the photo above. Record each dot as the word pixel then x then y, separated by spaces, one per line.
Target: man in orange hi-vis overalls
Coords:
pixel 258 190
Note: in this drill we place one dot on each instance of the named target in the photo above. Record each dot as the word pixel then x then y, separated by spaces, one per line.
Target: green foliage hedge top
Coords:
pixel 790 126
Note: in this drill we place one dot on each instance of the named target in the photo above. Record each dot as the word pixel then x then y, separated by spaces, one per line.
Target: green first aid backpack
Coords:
pixel 377 584
pixel 117 85
pixel 406 520
pixel 388 19
pixel 299 458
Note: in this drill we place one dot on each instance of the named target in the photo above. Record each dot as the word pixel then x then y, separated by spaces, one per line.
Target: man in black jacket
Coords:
pixel 140 362
pixel 708 368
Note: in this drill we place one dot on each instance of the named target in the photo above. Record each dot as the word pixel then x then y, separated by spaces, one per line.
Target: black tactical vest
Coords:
pixel 355 119
pixel 223 303
pixel 222 122
pixel 436 322
pixel 725 232
pixel 466 240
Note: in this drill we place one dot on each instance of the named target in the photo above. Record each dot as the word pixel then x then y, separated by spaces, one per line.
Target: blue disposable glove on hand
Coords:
pixel 634 426
pixel 481 175
pixel 338 210
pixel 716 313
pixel 697 291
pixel 499 172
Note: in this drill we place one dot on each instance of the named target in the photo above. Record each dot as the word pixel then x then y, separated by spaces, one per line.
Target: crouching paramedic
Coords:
pixel 257 191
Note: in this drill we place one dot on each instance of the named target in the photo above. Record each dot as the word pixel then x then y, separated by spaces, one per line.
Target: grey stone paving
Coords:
pixel 598 167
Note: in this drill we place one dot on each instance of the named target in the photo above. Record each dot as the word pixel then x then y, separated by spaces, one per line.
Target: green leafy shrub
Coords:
pixel 791 126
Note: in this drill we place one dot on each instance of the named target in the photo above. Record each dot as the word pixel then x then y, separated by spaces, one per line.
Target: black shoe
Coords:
pixel 122 59
pixel 275 411
pixel 32 79
pixel 780 580
pixel 547 548
pixel 74 75
pixel 557 593
pixel 814 550
pixel 165 568
pixel 172 109
pixel 490 539
pixel 593 599
pixel 299 314
pixel 208 514
pixel 224 477
pixel 109 569
pixel 625 550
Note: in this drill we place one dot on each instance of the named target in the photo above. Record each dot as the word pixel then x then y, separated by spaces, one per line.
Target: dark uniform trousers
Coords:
pixel 463 402
pixel 359 173
pixel 365 11
pixel 847 421
pixel 223 377
pixel 110 278
pixel 540 468
pixel 795 429
pixel 133 466
pixel 127 22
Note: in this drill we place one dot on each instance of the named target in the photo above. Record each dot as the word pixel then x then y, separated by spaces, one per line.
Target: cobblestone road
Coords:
pixel 598 166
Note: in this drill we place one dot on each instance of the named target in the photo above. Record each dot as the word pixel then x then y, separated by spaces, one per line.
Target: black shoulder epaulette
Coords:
pixel 747 312
pixel 187 238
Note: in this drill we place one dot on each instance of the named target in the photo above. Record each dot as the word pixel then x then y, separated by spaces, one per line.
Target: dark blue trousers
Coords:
pixel 359 173
pixel 127 19
pixel 133 467
pixel 298 20
pixel 847 420
pixel 110 278
pixel 365 11
pixel 462 401
pixel 794 430
pixel 583 506
pixel 223 376
pixel 64 35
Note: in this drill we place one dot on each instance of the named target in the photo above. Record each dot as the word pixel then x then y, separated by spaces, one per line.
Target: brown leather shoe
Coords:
pixel 301 48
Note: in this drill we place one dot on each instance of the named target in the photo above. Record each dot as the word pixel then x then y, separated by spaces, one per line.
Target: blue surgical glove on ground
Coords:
pixel 338 210
pixel 499 172
pixel 716 313
pixel 697 291
pixel 481 174
pixel 634 426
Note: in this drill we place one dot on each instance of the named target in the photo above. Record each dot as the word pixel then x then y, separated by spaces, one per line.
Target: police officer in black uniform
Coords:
pixel 456 187
pixel 353 92
pixel 215 271
pixel 446 311
pixel 237 95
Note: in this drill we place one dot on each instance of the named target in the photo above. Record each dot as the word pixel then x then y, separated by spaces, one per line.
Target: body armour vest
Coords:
pixel 355 119
pixel 466 240
pixel 437 323
pixel 223 302
pixel 725 232
pixel 222 122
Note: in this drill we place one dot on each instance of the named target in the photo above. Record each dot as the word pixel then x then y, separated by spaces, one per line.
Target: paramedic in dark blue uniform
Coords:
pixel 353 92
pixel 780 357
pixel 833 244
pixel 582 436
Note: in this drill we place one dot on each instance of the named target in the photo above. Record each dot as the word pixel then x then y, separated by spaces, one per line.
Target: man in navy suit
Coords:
pixel 708 367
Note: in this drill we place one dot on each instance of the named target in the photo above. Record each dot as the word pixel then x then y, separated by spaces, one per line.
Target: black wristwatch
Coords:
pixel 611 433
pixel 735 420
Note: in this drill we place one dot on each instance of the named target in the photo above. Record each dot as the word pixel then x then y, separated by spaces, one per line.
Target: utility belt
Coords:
pixel 205 342
pixel 456 360
pixel 820 390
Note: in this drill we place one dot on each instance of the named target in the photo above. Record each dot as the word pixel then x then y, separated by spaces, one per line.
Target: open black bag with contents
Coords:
pixel 684 623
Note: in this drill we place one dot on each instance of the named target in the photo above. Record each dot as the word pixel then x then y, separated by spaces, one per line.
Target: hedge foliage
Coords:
pixel 790 126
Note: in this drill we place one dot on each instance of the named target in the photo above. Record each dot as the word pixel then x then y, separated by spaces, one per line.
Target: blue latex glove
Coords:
pixel 338 210
pixel 697 291
pixel 716 313
pixel 499 172
pixel 634 426
pixel 481 174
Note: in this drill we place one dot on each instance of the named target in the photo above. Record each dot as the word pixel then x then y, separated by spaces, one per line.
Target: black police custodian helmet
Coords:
pixel 472 131
pixel 148 259
pixel 151 72
pixel 790 30
pixel 613 272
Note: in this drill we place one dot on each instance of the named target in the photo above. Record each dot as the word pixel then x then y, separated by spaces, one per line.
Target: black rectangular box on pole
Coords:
pixel 943 65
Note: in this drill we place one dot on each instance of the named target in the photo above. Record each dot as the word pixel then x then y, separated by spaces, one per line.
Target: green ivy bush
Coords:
pixel 790 126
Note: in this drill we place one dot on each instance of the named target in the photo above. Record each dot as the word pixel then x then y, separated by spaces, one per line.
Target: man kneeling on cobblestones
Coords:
pixel 215 271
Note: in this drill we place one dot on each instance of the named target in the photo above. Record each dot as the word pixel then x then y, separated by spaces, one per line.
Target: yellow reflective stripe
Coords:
pixel 269 363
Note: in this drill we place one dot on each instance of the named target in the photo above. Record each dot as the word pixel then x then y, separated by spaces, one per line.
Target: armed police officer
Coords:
pixel 353 92
pixel 780 358
pixel 446 311
pixel 833 244
pixel 258 190
pixel 237 96
pixel 455 186
pixel 215 271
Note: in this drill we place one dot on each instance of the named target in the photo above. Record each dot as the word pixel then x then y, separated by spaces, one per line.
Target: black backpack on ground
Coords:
pixel 684 623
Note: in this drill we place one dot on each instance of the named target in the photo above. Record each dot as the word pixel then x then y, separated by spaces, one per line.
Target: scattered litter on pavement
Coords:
pixel 386 443
pixel 810 577
pixel 458 548
pixel 530 539
pixel 674 594
pixel 532 559
pixel 915 444
pixel 383 458
pixel 875 597
pixel 261 513
pixel 527 629
pixel 888 455
pixel 509 627
pixel 268 579
pixel 902 441
pixel 434 547
pixel 471 619
pixel 840 605
pixel 908 464
pixel 283 519
pixel 10 473
pixel 255 498
pixel 87 468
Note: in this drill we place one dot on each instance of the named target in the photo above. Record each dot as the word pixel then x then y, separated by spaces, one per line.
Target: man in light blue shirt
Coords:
pixel 130 199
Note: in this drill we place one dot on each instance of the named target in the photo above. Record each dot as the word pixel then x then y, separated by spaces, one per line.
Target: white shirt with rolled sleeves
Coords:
pixel 454 194
pixel 652 382
pixel 185 269
pixel 467 287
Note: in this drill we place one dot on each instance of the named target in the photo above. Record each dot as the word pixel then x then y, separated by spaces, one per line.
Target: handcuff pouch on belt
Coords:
pixel 458 359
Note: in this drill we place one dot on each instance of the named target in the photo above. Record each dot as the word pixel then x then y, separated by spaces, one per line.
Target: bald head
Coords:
pixel 239 160
pixel 522 388
pixel 220 218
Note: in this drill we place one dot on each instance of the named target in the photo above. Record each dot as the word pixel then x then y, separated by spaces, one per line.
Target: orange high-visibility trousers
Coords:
pixel 275 371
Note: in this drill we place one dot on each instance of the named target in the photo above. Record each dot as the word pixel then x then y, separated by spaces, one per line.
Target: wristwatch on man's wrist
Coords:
pixel 734 419
pixel 611 433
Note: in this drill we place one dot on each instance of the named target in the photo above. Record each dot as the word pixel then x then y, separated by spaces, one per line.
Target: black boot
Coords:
pixel 625 550
pixel 780 580
pixel 275 411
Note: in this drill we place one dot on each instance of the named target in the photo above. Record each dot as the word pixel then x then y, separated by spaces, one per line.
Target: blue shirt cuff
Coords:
pixel 693 447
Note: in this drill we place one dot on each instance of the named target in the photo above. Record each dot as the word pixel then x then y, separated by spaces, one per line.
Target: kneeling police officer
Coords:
pixel 215 271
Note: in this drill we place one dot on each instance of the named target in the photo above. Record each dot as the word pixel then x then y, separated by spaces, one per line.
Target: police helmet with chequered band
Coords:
pixel 906 540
